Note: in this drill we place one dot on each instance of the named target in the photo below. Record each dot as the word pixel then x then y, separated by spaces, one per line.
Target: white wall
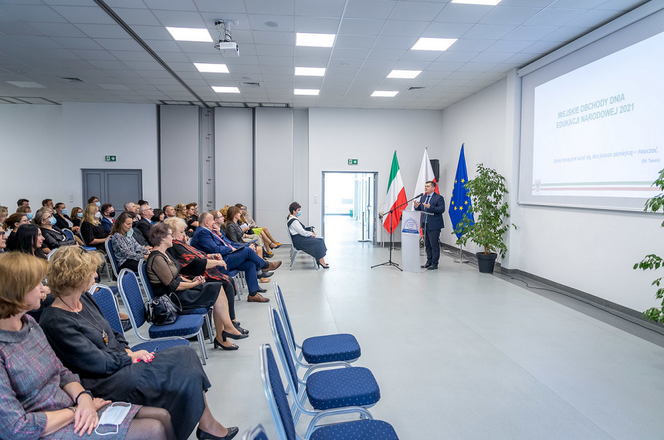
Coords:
pixel 49 145
pixel 179 125
pixel 301 159
pixel 233 141
pixel 371 136
pixel 589 250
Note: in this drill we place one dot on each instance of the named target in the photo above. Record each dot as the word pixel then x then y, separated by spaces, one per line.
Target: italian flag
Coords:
pixel 396 195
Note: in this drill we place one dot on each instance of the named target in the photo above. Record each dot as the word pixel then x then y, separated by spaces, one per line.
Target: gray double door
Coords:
pixel 113 186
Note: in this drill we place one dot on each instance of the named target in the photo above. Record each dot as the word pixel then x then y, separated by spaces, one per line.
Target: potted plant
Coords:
pixel 653 261
pixel 487 192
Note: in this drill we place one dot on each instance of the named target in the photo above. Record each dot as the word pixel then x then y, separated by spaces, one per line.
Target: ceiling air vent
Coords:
pixel 250 84
pixel 71 79
pixel 416 88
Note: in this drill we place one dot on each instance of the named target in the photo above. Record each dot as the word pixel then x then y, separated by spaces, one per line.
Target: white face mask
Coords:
pixel 113 416
pixel 98 214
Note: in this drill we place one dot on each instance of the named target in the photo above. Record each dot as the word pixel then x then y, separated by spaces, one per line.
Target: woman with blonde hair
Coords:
pixel 39 397
pixel 92 231
pixel 249 225
pixel 172 379
pixel 181 211
pixel 4 213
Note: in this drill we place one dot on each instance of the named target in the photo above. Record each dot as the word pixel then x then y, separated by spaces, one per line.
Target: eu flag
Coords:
pixel 460 202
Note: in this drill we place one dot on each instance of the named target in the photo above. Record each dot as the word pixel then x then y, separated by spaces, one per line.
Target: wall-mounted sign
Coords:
pixel 352 161
pixel 110 158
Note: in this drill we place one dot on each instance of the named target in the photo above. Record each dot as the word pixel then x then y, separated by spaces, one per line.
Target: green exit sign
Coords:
pixel 352 161
pixel 110 158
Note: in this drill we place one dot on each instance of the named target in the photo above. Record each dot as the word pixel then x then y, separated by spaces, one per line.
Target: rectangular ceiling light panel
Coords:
pixel 310 71
pixel 478 2
pixel 409 74
pixel 190 34
pixel 311 92
pixel 26 84
pixel 384 94
pixel 226 89
pixel 213 68
pixel 439 44
pixel 314 40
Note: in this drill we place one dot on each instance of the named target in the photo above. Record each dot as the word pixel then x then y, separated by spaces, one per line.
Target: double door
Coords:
pixel 114 186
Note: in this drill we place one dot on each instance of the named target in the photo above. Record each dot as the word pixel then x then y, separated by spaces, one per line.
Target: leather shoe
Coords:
pixel 225 334
pixel 266 255
pixel 425 266
pixel 257 298
pixel 202 435
pixel 432 267
pixel 263 280
pixel 273 265
pixel 262 274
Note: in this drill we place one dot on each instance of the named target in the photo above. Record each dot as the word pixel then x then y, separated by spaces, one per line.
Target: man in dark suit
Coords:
pixel 107 216
pixel 144 224
pixel 236 255
pixel 435 204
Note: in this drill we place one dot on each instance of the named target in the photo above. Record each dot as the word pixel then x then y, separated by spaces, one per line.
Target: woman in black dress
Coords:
pixel 84 341
pixel 304 238
pixel 30 240
pixel 92 231
pixel 195 293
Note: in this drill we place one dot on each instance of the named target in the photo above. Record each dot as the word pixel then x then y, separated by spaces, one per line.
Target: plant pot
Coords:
pixel 486 262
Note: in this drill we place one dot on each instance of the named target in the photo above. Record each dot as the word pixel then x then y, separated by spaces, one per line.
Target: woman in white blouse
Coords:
pixel 304 238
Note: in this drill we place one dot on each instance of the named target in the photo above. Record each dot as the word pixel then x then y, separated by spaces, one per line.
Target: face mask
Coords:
pixel 98 204
pixel 79 215
pixel 299 213
pixel 130 233
pixel 113 416
pixel 53 221
pixel 111 214
pixel 30 215
pixel 98 214
pixel 64 211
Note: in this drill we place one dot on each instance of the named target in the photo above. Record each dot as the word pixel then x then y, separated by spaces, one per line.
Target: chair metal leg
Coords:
pixel 209 327
pixel 201 345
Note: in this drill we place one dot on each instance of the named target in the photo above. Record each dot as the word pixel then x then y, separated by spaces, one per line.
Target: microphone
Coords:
pixel 420 195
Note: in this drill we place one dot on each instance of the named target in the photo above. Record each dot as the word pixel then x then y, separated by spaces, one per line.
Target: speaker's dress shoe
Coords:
pixel 258 298
pixel 425 266
pixel 432 267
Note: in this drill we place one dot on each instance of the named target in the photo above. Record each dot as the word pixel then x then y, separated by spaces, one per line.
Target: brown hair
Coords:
pixel 294 207
pixel 232 212
pixel 191 205
pixel 158 232
pixel 13 219
pixel 117 226
pixel 70 268
pixel 19 274
pixel 24 209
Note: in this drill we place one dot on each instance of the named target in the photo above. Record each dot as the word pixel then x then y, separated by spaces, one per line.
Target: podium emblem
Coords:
pixel 410 226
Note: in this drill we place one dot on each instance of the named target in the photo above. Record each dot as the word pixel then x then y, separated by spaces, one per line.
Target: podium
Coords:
pixel 410 241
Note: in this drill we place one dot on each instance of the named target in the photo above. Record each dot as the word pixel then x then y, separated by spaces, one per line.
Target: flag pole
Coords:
pixel 460 259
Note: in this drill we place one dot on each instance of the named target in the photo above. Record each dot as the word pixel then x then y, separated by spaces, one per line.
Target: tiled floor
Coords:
pixel 457 354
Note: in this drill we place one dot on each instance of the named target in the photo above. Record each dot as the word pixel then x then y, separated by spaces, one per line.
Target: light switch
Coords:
pixel 315 199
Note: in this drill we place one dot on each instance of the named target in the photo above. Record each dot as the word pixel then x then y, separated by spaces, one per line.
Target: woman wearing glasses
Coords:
pixel 53 236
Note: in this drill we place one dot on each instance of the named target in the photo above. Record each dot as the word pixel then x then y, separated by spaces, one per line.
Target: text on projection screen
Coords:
pixel 598 130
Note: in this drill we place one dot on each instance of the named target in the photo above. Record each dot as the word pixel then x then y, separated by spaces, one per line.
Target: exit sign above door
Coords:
pixel 352 161
pixel 109 158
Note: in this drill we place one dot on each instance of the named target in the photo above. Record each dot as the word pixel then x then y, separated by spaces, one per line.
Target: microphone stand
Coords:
pixel 389 262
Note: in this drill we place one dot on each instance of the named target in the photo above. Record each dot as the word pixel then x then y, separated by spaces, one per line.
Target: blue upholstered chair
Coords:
pixel 365 429
pixel 186 326
pixel 317 349
pixel 105 299
pixel 326 389
pixel 256 433
pixel 108 244
pixel 147 288
pixel 68 233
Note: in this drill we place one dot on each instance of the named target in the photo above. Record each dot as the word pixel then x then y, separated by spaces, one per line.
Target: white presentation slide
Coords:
pixel 599 130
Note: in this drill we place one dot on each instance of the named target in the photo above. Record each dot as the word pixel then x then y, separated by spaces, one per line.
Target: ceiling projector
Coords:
pixel 227 46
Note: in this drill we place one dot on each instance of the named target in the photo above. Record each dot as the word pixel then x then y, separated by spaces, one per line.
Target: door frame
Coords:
pixel 375 195
pixel 105 189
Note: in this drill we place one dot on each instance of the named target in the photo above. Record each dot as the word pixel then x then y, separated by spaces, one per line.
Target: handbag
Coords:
pixel 161 310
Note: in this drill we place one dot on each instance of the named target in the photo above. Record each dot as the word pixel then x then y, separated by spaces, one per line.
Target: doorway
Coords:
pixel 348 206
pixel 113 186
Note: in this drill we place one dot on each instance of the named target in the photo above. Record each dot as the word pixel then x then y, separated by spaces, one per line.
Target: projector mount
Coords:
pixel 225 39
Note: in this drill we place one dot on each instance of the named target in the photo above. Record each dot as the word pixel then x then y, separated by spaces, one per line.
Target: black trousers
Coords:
pixel 432 245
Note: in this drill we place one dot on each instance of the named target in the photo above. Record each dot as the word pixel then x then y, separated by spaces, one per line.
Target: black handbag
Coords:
pixel 162 311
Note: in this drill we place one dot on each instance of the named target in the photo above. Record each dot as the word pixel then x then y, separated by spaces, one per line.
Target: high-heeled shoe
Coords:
pixel 218 344
pixel 320 265
pixel 240 329
pixel 202 435
pixel 225 334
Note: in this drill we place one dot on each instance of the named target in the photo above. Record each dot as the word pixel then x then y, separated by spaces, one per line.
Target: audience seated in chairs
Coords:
pixel 128 252
pixel 169 211
pixel 158 216
pixel 193 293
pixel 304 238
pixel 4 213
pixel 194 263
pixel 3 240
pixel 53 236
pixel 40 398
pixel 235 234
pixel 107 217
pixel 95 201
pixel 144 224
pixel 131 207
pixel 13 223
pixel 30 241
pixel 76 218
pixel 249 226
pixel 237 256
pixel 93 233
pixel 192 216
pixel 84 341
pixel 48 203
pixel 138 235
pixel 25 210
pixel 22 202
pixel 62 220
